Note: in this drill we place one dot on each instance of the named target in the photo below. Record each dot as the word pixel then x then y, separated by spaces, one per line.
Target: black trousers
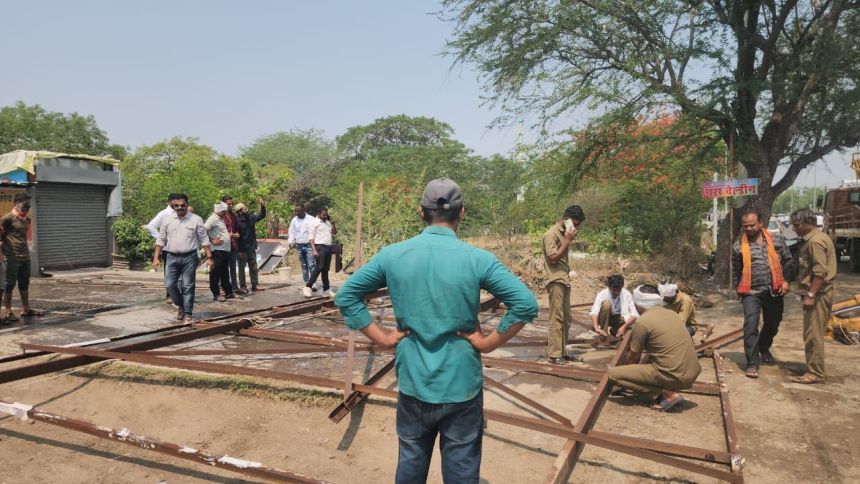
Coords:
pixel 322 266
pixel 220 273
pixel 756 341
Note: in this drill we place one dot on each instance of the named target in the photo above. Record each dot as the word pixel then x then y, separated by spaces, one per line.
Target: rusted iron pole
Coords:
pixel 125 436
pixel 566 460
pixel 720 340
pixel 728 422
pixel 356 397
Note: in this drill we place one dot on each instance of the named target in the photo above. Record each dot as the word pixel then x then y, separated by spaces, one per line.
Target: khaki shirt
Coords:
pixel 662 334
pixel 685 308
pixel 14 229
pixel 555 271
pixel 817 258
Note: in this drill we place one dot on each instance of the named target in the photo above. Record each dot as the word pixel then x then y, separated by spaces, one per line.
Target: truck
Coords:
pixel 842 216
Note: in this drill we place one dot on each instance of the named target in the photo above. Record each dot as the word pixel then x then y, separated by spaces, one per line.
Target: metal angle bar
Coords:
pixel 23 356
pixel 80 360
pixel 566 460
pixel 677 450
pixel 242 351
pixel 356 397
pixel 350 363
pixel 489 382
pixel 607 443
pixel 728 421
pixel 576 373
pixel 124 436
pixel 720 340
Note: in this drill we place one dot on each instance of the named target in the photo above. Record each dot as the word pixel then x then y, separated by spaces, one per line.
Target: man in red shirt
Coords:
pixel 233 229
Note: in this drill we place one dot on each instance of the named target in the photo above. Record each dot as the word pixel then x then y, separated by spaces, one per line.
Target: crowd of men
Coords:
pixel 228 237
pixel 435 280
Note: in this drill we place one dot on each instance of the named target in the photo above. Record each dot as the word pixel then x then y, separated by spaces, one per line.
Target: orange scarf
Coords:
pixel 745 285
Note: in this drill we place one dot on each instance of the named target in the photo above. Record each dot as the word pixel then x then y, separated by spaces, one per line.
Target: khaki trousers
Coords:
pixel 559 319
pixel 646 379
pixel 607 320
pixel 814 322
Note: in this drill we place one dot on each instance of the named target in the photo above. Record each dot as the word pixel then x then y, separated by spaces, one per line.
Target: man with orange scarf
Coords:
pixel 762 267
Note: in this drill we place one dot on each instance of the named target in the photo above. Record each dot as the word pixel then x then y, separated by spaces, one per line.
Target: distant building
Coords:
pixel 74 198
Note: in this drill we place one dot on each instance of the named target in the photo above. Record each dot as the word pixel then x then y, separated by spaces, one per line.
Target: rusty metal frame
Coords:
pixel 126 437
pixel 354 393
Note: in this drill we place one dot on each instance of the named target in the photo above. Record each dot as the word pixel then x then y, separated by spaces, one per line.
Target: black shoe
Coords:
pixel 573 357
pixel 557 361
pixel 767 357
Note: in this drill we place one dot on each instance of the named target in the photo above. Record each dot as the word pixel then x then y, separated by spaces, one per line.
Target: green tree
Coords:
pixel 360 141
pixel 299 150
pixel 778 80
pixel 24 127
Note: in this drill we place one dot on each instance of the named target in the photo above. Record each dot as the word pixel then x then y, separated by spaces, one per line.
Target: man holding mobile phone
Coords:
pixel 556 244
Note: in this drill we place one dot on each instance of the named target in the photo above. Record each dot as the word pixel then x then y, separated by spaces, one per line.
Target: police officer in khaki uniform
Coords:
pixel 556 243
pixel 672 363
pixel 817 270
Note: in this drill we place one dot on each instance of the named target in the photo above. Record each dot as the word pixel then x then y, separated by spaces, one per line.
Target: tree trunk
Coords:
pixel 757 166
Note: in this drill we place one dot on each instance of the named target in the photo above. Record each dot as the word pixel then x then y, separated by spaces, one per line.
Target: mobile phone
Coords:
pixel 568 225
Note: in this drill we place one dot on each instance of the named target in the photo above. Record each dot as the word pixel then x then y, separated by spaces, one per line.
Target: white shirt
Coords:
pixel 179 236
pixel 216 228
pixel 320 232
pixel 155 224
pixel 298 232
pixel 623 304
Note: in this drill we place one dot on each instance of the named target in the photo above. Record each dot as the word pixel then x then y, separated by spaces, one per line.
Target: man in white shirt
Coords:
pixel 613 310
pixel 154 226
pixel 180 237
pixel 298 238
pixel 320 232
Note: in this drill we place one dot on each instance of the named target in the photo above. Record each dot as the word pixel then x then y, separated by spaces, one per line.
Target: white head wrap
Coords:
pixel 645 300
pixel 668 290
pixel 220 207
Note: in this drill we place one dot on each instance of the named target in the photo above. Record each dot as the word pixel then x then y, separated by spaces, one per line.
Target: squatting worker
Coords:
pixel 680 303
pixel 14 226
pixel 817 270
pixel 613 310
pixel 180 237
pixel 672 365
pixel 434 281
pixel 556 243
pixel 763 267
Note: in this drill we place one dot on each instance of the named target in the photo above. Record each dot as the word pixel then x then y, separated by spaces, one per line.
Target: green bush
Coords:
pixel 134 241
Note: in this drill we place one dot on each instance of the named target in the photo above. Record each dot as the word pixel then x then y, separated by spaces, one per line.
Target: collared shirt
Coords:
pixel 623 304
pixel 217 228
pixel 762 279
pixel 155 224
pixel 685 308
pixel 179 236
pixel 817 258
pixel 555 271
pixel 319 231
pixel 14 228
pixel 298 232
pixel 662 334
pixel 435 283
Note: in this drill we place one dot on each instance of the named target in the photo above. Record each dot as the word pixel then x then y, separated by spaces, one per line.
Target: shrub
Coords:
pixel 134 241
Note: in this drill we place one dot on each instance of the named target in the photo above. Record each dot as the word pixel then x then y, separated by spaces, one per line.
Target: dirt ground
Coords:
pixel 787 432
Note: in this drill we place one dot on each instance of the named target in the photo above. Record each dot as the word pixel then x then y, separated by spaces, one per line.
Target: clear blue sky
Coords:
pixel 229 72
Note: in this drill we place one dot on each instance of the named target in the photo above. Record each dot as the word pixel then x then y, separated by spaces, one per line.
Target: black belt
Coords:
pixel 181 254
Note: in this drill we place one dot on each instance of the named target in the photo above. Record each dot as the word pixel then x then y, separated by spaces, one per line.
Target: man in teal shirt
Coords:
pixel 435 283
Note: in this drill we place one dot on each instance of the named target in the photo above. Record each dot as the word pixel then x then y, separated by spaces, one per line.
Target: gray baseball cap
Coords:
pixel 442 193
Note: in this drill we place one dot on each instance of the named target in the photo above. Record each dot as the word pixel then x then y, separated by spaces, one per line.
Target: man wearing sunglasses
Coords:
pixel 15 225
pixel 180 237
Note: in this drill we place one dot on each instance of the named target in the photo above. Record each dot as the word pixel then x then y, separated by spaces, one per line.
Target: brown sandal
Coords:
pixel 807 379
pixel 752 372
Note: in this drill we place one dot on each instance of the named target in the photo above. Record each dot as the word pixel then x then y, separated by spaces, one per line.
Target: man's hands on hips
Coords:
pixel 386 339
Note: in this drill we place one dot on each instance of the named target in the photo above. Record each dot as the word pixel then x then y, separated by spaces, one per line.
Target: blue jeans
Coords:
pixel 306 257
pixel 184 267
pixel 461 430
